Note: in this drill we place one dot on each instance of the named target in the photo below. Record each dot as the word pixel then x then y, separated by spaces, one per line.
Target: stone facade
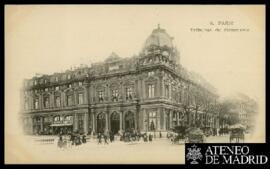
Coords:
pixel 148 92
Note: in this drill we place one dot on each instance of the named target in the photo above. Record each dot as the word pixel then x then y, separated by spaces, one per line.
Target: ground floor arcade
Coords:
pixel 146 118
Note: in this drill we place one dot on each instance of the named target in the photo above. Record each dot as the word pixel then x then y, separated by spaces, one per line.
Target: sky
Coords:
pixel 49 38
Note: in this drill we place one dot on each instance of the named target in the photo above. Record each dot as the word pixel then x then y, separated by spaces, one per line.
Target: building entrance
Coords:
pixel 129 121
pixel 115 122
pixel 101 123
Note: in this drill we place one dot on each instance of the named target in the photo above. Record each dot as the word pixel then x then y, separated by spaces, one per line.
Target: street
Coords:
pixel 159 151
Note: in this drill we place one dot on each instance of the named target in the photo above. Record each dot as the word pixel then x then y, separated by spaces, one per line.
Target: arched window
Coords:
pixel 36 103
pixel 80 96
pixel 26 107
pixel 101 96
pixel 167 91
pixel 56 118
pixel 70 100
pixel 69 118
pixel 57 101
pixel 151 90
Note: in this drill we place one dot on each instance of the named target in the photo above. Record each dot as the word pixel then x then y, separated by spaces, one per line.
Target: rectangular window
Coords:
pixel 151 91
pixel 35 83
pixel 128 93
pixel 69 77
pixel 69 86
pixel 80 83
pixel 115 95
pixel 56 79
pixel 64 77
pixel 57 88
pixel 80 122
pixel 101 96
pixel 80 98
pixel 46 102
pixel 57 101
pixel 46 89
pixel 152 120
pixel 26 104
pixel 69 100
pixel 167 91
pixel 173 93
pixel 36 103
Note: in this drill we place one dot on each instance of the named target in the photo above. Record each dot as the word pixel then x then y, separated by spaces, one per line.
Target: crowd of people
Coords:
pixel 72 139
pixel 75 139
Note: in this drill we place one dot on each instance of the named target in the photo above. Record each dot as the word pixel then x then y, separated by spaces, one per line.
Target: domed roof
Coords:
pixel 159 37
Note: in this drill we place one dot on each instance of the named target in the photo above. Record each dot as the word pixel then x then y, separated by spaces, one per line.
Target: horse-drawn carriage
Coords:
pixel 237 133
pixel 195 135
pixel 177 133
pixel 191 135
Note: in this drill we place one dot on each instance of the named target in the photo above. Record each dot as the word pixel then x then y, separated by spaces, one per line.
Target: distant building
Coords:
pixel 148 92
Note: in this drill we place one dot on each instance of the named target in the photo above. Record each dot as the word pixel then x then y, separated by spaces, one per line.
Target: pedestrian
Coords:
pixel 60 142
pixel 150 137
pixel 99 138
pixel 111 137
pixel 160 135
pixel 72 138
pixel 105 139
pixel 77 140
pixel 145 137
pixel 83 139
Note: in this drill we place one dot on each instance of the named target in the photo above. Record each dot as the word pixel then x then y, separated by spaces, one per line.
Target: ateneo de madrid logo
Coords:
pixel 224 154
pixel 194 154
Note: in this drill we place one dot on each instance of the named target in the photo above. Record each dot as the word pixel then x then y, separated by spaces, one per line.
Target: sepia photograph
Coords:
pixel 131 84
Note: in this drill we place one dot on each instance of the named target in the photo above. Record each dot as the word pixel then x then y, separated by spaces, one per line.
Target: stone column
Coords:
pixel 40 100
pixel 93 122
pixel 158 119
pixel 123 118
pixel 30 125
pixel 177 117
pixel 171 118
pixel 41 123
pixel 135 121
pixel 75 122
pixel 162 88
pixel 51 101
pixel 63 99
pixel 164 119
pixel 170 91
pixel 86 116
pixel 144 91
pixel 107 121
pixel 121 121
pixel 86 96
pixel 75 98
pixel 158 88
pixel 122 92
pixel 144 120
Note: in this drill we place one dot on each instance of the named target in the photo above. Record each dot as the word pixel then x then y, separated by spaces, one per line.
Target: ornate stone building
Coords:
pixel 148 92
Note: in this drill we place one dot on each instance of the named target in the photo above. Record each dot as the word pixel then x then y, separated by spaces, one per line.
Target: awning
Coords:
pixel 58 125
